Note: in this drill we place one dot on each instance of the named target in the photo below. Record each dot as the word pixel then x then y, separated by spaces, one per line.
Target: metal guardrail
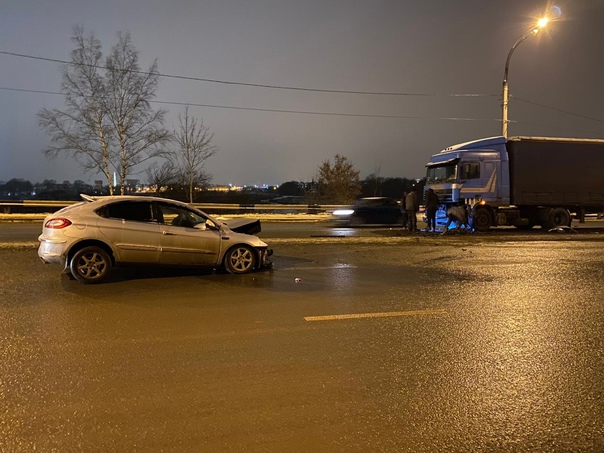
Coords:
pixel 11 207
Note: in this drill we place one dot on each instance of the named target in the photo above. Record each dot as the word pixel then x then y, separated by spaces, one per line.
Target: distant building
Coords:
pixel 132 185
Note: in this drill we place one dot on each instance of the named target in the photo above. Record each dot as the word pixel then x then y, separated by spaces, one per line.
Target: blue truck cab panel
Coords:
pixel 476 168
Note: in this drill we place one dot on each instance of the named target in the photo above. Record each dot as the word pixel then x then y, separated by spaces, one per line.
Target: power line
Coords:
pixel 23 90
pixel 558 128
pixel 319 90
pixel 353 115
pixel 302 112
pixel 559 110
pixel 258 85
pixel 299 112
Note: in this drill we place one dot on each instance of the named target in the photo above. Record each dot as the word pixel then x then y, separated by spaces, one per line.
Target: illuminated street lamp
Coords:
pixel 531 32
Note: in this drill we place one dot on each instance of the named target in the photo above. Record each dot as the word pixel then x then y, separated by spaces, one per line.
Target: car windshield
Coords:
pixel 442 173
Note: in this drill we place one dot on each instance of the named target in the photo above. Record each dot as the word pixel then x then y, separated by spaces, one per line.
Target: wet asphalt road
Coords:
pixel 388 342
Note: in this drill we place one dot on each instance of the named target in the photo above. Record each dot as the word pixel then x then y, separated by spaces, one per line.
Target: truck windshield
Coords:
pixel 443 173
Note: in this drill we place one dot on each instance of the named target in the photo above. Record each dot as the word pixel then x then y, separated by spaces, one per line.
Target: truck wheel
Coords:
pixel 482 220
pixel 557 217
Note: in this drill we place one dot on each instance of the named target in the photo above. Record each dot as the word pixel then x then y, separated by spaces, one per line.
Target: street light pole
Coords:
pixel 532 32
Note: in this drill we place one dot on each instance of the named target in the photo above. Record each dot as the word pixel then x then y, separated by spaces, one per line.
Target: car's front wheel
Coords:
pixel 90 264
pixel 240 260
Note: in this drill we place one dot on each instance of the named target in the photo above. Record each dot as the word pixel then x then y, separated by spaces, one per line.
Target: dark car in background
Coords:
pixel 371 211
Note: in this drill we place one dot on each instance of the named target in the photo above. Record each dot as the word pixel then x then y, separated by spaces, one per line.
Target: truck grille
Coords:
pixel 445 195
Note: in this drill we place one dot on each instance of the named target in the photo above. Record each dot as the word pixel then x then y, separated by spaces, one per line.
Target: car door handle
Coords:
pixel 167 233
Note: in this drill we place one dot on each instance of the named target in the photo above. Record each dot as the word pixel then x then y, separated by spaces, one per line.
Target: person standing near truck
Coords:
pixel 404 216
pixel 432 203
pixel 411 207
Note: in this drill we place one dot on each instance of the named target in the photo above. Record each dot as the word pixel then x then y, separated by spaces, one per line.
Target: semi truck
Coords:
pixel 520 181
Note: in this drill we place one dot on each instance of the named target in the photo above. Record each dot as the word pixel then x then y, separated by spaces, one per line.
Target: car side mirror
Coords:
pixel 209 225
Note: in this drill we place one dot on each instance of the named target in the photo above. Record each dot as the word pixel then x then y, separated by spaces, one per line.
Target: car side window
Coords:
pixel 138 211
pixel 179 216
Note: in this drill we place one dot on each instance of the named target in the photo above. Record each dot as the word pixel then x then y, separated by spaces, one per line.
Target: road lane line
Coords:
pixel 390 314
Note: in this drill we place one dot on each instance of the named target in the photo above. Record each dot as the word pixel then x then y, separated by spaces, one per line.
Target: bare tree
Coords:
pixel 377 180
pixel 82 129
pixel 162 178
pixel 195 146
pixel 339 183
pixel 108 122
pixel 138 129
pixel 311 191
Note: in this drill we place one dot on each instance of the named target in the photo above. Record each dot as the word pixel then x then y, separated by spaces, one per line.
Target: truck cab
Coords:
pixel 469 170
pixel 472 172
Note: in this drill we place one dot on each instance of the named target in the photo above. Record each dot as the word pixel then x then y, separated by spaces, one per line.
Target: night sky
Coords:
pixel 426 51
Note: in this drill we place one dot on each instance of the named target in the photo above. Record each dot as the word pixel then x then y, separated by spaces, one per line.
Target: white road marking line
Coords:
pixel 390 314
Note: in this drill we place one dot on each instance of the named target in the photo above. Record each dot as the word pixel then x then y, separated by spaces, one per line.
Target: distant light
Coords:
pixel 542 22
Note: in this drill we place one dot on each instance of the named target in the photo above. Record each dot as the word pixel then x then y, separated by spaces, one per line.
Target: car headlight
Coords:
pixel 343 212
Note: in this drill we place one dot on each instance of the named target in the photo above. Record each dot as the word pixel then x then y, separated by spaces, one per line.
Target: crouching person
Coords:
pixel 459 215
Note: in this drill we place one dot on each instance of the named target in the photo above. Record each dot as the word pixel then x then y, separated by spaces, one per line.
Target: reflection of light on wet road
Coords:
pixel 342 277
pixel 437 311
pixel 339 232
pixel 307 268
pixel 524 346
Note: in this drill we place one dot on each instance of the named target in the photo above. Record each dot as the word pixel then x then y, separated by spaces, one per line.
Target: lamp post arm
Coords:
pixel 504 118
pixel 528 34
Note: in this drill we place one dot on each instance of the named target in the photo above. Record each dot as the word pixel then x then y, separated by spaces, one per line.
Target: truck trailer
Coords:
pixel 520 181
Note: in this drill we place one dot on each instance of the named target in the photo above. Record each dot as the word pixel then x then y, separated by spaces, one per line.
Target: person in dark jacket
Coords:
pixel 403 211
pixel 432 203
pixel 412 207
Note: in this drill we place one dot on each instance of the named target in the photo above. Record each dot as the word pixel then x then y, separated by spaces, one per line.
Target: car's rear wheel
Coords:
pixel 90 264
pixel 240 260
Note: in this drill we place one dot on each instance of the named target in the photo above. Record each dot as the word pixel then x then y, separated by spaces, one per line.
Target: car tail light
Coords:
pixel 57 223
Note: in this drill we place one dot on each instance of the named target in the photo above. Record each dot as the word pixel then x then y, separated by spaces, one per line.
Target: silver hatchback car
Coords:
pixel 91 237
